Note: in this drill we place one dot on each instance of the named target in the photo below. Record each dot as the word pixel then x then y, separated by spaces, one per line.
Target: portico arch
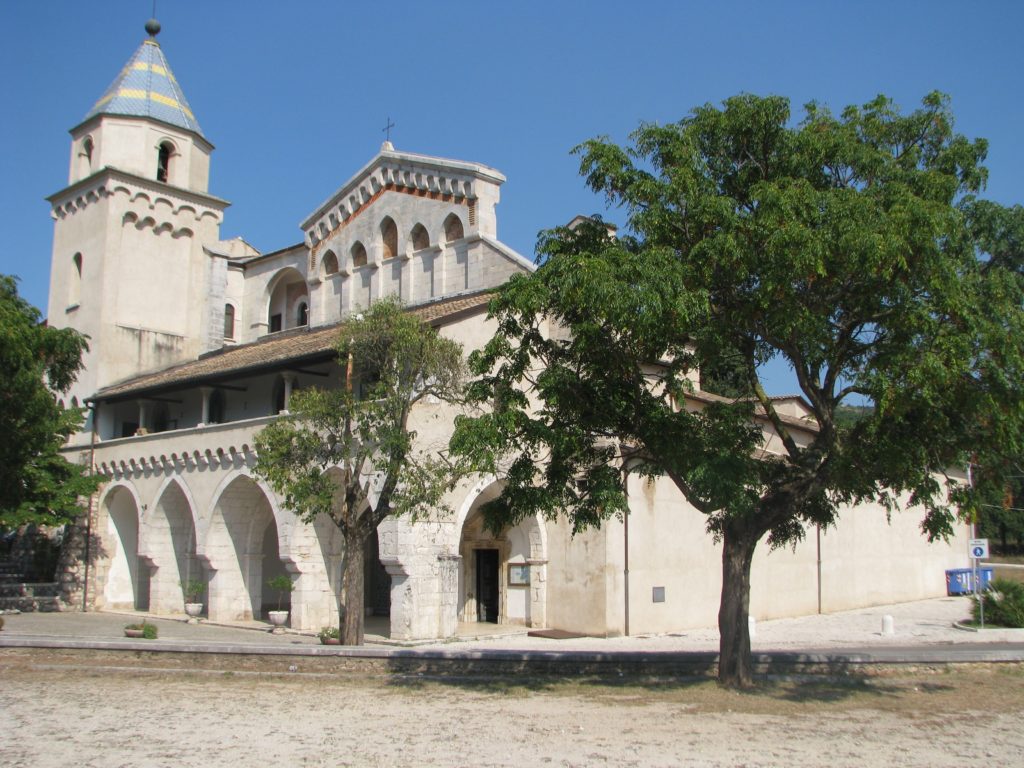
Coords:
pixel 242 551
pixel 170 544
pixel 122 588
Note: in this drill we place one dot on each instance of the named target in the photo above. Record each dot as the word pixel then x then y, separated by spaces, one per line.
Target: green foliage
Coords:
pixel 850 247
pixel 350 454
pixel 37 484
pixel 281 584
pixel 149 631
pixel 193 590
pixel 847 416
pixel 1003 602
pixel 322 456
pixel 328 633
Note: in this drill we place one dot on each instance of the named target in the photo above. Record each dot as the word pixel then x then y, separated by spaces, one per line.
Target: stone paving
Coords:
pixel 922 624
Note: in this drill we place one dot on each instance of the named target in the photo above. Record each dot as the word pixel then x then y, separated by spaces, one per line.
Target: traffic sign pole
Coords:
pixel 978 549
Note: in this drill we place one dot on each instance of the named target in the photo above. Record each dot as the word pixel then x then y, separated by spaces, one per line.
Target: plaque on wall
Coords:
pixel 519 575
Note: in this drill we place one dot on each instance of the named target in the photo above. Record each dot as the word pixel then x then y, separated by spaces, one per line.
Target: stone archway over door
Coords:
pixel 122 588
pixel 513 562
pixel 171 543
pixel 241 538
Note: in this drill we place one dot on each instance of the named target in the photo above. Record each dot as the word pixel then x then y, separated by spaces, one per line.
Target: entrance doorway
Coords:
pixel 487 585
pixel 376 582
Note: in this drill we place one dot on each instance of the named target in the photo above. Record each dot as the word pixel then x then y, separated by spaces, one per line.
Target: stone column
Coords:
pixel 402 604
pixel 313 603
pixel 289 381
pixel 143 416
pixel 207 392
pixel 448 607
pixel 538 593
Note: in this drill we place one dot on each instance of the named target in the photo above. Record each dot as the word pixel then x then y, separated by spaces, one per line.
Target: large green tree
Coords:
pixel 37 364
pixel 351 453
pixel 849 246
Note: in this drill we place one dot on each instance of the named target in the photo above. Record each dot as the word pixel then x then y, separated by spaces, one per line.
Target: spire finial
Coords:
pixel 153 26
pixel 387 145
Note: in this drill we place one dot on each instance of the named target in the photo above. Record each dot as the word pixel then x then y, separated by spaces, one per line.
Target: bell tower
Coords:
pixel 128 267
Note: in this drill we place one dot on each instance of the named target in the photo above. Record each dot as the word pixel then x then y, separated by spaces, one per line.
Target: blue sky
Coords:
pixel 294 95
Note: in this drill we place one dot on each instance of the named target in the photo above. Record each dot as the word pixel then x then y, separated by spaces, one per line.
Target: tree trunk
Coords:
pixel 735 665
pixel 352 588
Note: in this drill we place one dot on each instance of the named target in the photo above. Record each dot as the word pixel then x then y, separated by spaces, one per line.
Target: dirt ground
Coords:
pixel 109 718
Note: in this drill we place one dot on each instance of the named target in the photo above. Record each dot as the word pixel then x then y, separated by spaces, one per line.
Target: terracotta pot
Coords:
pixel 330 641
pixel 133 633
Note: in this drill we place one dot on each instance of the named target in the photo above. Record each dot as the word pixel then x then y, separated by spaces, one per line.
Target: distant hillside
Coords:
pixel 848 415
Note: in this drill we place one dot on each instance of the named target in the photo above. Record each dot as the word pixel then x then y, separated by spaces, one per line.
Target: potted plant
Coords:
pixel 281 584
pixel 329 636
pixel 143 630
pixel 193 591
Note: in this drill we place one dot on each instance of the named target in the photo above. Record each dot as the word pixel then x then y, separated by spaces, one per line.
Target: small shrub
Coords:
pixel 148 630
pixel 282 584
pixel 1004 604
pixel 193 590
pixel 329 633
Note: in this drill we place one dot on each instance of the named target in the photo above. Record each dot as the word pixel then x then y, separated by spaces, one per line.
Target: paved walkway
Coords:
pixel 923 631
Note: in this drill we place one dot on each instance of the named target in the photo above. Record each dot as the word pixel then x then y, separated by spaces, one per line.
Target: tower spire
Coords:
pixel 146 87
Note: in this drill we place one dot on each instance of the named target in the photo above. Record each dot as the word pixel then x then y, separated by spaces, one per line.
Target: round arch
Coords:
pixel 284 519
pixel 126 584
pixel 503 574
pixel 286 293
pixel 242 551
pixel 170 545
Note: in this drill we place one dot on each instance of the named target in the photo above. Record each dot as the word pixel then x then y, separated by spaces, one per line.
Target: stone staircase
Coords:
pixel 17 595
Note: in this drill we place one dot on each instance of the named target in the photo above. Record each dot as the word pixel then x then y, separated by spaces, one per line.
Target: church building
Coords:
pixel 197 343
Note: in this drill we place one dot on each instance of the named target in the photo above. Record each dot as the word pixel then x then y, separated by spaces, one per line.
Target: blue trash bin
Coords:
pixel 960 581
pixel 985 577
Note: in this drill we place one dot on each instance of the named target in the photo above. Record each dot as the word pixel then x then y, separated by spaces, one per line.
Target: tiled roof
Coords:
pixel 276 350
pixel 146 88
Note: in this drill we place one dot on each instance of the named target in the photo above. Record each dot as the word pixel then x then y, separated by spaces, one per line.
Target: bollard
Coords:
pixel 752 627
pixel 888 626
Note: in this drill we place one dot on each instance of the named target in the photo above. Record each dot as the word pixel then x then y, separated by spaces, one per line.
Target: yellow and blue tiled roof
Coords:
pixel 146 88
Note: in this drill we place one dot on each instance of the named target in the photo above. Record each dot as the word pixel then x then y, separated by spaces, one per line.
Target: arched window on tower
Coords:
pixel 229 321
pixel 358 255
pixel 389 238
pixel 75 281
pixel 85 158
pixel 163 162
pixel 302 315
pixel 420 238
pixel 453 229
